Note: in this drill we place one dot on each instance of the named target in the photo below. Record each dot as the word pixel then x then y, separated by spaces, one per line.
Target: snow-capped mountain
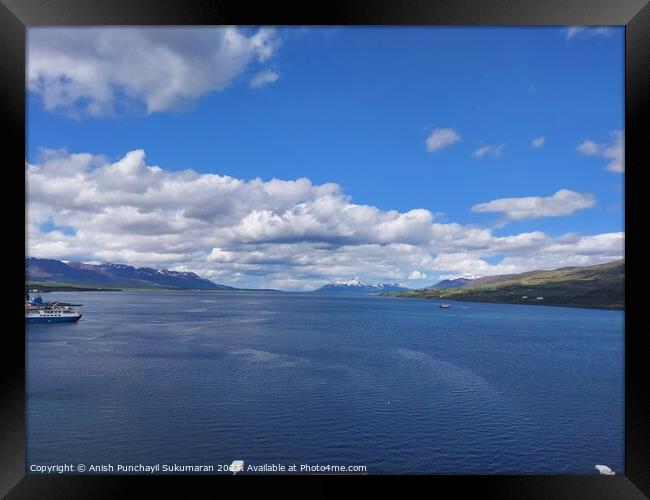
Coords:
pixel 355 285
pixel 39 270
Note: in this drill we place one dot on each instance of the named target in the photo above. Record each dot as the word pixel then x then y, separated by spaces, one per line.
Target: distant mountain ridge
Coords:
pixel 113 275
pixel 467 282
pixel 598 286
pixel 453 283
pixel 355 285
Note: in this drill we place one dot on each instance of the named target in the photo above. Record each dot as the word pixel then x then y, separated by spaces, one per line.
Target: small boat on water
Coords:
pixel 37 311
pixel 444 306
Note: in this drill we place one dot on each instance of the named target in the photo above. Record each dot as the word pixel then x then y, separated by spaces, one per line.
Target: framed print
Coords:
pixel 364 246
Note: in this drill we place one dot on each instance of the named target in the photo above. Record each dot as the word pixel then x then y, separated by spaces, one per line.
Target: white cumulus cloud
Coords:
pixel 563 202
pixel 264 78
pixel 416 275
pixel 105 71
pixel 612 150
pixel 442 137
pixel 586 31
pixel 489 150
pixel 538 142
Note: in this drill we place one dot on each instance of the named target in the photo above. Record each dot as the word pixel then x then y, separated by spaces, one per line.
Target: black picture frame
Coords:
pixel 17 15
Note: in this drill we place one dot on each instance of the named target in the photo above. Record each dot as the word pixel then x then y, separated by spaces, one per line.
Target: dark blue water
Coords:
pixel 398 385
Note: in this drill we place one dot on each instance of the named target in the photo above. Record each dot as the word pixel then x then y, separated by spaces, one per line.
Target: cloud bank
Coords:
pixel 288 234
pixel 106 71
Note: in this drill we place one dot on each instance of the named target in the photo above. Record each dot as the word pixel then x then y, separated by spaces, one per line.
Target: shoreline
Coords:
pixel 49 289
pixel 437 299
pixel 576 306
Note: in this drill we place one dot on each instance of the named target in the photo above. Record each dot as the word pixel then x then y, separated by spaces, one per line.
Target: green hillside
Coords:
pixel 600 286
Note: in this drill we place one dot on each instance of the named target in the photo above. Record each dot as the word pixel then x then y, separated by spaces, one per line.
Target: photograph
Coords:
pixel 325 250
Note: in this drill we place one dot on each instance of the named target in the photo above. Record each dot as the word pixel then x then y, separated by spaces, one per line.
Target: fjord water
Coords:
pixel 398 385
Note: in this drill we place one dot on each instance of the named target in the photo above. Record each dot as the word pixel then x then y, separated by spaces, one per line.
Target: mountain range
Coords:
pixel 50 273
pixel 599 286
pixel 355 285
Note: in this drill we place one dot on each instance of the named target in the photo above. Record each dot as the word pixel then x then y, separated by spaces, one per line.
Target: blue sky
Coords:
pixel 354 107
